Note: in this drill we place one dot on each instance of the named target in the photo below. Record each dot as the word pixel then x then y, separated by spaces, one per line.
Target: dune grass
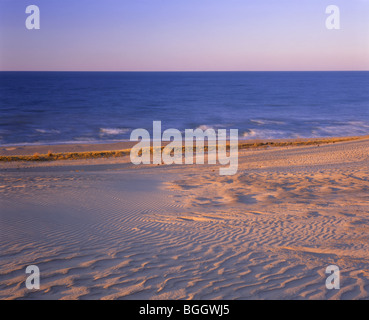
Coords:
pixel 50 156
pixel 66 156
pixel 301 142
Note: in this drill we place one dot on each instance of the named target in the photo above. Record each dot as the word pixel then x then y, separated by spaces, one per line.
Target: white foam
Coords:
pixel 113 131
pixel 263 122
pixel 264 134
pixel 204 127
pixel 47 131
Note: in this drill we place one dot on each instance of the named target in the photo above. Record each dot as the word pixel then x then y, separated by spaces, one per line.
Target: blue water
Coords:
pixel 62 107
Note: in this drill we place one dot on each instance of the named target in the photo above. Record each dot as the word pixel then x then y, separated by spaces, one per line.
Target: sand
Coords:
pixel 106 229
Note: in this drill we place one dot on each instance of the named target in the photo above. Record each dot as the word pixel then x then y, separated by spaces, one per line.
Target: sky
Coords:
pixel 184 35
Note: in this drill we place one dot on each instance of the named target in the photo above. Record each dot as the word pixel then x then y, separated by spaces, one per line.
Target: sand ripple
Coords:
pixel 268 232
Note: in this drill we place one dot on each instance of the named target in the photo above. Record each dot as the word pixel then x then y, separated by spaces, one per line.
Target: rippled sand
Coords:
pixel 105 229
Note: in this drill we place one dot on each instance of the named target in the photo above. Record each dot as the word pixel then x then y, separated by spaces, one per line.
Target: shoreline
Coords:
pixel 119 149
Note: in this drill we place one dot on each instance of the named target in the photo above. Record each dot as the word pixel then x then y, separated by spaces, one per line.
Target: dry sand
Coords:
pixel 105 229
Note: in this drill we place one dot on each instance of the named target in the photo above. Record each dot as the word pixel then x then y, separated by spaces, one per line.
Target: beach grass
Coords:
pixel 50 156
pixel 66 156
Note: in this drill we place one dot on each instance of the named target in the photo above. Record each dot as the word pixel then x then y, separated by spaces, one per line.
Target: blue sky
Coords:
pixel 188 35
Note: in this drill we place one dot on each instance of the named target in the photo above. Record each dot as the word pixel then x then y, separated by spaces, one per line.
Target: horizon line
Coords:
pixel 168 71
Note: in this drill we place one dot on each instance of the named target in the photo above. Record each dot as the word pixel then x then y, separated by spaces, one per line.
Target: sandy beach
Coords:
pixel 107 229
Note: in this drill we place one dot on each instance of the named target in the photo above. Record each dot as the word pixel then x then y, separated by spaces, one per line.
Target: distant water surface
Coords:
pixel 63 107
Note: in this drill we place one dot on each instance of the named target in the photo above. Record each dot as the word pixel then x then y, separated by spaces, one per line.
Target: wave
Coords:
pixel 113 131
pixel 267 134
pixel 215 126
pixel 336 131
pixel 266 122
pixel 47 131
pixel 205 127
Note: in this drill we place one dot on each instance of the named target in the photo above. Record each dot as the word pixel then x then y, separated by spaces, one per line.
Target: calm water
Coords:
pixel 60 107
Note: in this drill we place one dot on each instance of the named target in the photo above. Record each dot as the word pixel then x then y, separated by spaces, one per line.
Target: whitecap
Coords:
pixel 47 131
pixel 204 127
pixel 113 131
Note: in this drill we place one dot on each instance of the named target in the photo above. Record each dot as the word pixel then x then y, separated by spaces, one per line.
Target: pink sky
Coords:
pixel 155 35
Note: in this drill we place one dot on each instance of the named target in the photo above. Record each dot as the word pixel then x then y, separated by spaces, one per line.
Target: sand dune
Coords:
pixel 105 229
